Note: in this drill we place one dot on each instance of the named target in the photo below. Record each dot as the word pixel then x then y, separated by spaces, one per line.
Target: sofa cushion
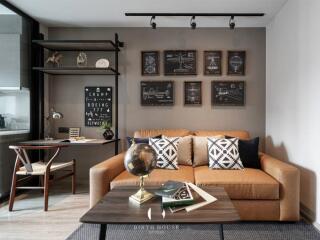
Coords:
pixel 249 152
pixel 239 184
pixel 184 150
pixel 224 153
pixel 139 140
pixel 236 134
pixel 166 132
pixel 167 152
pixel 200 150
pixel 156 178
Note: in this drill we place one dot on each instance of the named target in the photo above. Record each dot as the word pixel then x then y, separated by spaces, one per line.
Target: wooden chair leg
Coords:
pixel 13 191
pixel 74 177
pixel 46 190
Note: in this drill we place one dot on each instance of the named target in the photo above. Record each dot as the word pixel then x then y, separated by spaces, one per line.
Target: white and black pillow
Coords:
pixel 249 152
pixel 224 153
pixel 167 152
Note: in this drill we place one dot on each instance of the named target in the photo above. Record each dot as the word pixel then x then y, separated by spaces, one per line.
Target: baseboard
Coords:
pixel 317 226
pixel 308 215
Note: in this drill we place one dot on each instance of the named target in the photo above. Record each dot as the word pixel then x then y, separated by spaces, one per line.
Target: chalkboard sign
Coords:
pixel 228 93
pixel 180 62
pixel 192 93
pixel 236 62
pixel 212 62
pixel 149 63
pixel 98 105
pixel 157 93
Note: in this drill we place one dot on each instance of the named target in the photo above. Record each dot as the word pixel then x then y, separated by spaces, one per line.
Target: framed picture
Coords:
pixel 212 62
pixel 192 93
pixel 236 62
pixel 157 93
pixel 180 62
pixel 228 93
pixel 98 105
pixel 150 63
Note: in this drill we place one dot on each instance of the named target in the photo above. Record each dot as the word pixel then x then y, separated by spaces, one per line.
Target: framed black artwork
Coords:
pixel 98 105
pixel 150 63
pixel 180 62
pixel 157 93
pixel 228 93
pixel 212 62
pixel 192 93
pixel 236 62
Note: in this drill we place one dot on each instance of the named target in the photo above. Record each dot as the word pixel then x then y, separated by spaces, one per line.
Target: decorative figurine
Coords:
pixel 102 63
pixel 82 60
pixel 55 59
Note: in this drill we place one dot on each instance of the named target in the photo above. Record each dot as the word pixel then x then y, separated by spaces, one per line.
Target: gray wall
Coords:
pixel 66 92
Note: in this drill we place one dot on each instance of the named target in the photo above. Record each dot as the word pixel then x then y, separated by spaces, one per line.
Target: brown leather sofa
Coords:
pixel 269 194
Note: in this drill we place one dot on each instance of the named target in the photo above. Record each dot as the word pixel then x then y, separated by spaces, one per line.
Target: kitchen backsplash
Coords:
pixel 14 110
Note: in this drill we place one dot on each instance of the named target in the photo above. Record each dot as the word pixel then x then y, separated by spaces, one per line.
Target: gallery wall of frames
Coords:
pixel 184 63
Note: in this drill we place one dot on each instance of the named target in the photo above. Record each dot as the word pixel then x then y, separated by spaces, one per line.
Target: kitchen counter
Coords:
pixel 13 132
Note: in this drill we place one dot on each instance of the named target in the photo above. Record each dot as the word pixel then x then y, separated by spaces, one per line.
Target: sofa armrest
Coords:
pixel 102 174
pixel 289 178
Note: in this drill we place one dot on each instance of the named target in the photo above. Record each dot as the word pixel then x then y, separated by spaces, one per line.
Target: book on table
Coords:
pixel 201 199
pixel 169 189
pixel 182 197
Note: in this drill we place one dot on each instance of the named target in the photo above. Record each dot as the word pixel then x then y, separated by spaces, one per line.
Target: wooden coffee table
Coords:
pixel 115 208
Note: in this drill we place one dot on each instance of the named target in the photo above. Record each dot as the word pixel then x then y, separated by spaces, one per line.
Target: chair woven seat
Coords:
pixel 44 171
pixel 39 168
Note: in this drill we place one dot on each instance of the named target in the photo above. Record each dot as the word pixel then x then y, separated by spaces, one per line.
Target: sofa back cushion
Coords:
pixel 237 134
pixel 167 132
pixel 185 151
pixel 200 150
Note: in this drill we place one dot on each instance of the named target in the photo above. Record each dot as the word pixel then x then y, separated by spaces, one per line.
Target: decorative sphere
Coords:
pixel 140 159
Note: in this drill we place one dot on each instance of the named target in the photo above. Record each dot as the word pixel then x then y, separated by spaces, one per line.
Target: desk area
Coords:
pixel 89 142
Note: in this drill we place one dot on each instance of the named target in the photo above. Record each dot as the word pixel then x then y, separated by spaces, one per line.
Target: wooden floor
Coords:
pixel 29 221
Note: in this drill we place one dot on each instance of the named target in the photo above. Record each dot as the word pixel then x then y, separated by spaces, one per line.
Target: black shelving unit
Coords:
pixel 77 70
pixel 86 45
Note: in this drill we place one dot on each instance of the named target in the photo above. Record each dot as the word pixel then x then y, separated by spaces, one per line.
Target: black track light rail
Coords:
pixel 194 14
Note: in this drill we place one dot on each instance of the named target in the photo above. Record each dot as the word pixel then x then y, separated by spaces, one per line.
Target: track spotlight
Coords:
pixel 153 23
pixel 232 23
pixel 193 23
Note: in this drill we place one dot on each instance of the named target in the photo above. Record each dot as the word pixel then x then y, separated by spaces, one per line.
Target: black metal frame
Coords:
pixel 117 44
pixel 194 14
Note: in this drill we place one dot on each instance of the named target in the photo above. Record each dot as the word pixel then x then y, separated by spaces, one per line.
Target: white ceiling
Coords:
pixel 110 13
pixel 5 11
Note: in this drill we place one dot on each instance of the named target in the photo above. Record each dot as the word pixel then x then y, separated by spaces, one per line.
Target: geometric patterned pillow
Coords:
pixel 167 152
pixel 224 153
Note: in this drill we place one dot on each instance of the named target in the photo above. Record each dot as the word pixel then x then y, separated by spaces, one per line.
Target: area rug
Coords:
pixel 240 231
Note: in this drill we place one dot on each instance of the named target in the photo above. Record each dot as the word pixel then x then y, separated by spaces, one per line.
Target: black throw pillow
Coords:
pixel 139 140
pixel 249 152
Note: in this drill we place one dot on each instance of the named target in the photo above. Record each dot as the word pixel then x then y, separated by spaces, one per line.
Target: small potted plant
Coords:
pixel 108 133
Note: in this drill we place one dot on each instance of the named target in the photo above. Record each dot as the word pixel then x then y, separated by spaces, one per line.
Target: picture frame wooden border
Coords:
pixel 213 99
pixel 186 102
pixel 205 63
pixel 166 73
pixel 244 57
pixel 157 73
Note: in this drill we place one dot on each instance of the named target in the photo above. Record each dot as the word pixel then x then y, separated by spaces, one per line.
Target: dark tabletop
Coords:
pixel 116 208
